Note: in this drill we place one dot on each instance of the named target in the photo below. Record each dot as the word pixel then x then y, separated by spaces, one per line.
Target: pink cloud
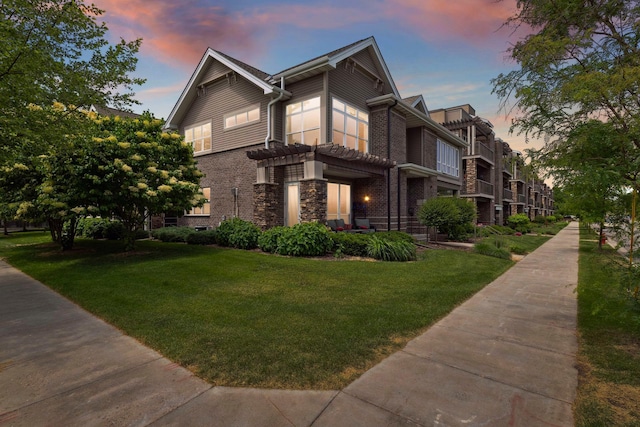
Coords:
pixel 176 34
pixel 473 21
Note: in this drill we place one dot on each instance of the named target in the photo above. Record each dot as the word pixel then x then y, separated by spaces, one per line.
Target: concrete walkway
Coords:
pixel 503 358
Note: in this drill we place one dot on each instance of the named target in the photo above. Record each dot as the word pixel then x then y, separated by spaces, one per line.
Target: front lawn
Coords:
pixel 609 337
pixel 244 318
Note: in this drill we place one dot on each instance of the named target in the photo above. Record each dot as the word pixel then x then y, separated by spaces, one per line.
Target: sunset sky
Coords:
pixel 446 50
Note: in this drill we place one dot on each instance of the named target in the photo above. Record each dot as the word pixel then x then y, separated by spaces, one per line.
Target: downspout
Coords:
pixel 395 102
pixel 269 106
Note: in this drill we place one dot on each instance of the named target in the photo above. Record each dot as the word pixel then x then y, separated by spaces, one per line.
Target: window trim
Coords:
pixel 239 112
pixel 301 101
pixel 447 159
pixel 357 119
pixel 192 211
pixel 193 126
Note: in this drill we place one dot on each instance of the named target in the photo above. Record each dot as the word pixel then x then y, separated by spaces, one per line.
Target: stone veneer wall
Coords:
pixel 313 200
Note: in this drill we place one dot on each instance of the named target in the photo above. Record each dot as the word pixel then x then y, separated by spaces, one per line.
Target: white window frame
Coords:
pixel 302 112
pixel 448 159
pixel 360 117
pixel 204 210
pixel 241 117
pixel 343 194
pixel 191 139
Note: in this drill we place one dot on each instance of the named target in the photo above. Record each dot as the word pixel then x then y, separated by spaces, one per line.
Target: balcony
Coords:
pixel 522 198
pixel 519 175
pixel 480 187
pixel 507 194
pixel 482 150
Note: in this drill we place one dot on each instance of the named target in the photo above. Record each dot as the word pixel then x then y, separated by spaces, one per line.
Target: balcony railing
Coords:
pixel 484 151
pixel 480 187
pixel 519 175
pixel 521 198
pixel 507 194
pixel 531 202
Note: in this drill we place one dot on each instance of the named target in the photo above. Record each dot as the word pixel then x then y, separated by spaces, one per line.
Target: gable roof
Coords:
pixel 330 60
pixel 418 103
pixel 189 93
pixel 270 84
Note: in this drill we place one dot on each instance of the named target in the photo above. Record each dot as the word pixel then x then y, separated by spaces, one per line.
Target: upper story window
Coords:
pixel 303 122
pixel 204 210
pixel 199 136
pixel 242 117
pixel 448 159
pixel 350 126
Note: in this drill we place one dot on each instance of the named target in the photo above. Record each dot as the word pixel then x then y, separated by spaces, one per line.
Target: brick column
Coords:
pixel 313 200
pixel 267 205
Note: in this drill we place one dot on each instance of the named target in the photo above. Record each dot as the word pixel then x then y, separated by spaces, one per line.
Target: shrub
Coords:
pixel 305 239
pixel 268 240
pixel 141 234
pixel 486 247
pixel 114 230
pixel 238 233
pixel 173 234
pixel 394 236
pixel 516 249
pixel 351 244
pixel 207 237
pixel 387 250
pixel 520 222
pixel 91 228
pixel 450 215
pixel 540 219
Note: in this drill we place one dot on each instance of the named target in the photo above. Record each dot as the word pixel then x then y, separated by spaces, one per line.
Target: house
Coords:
pixel 331 138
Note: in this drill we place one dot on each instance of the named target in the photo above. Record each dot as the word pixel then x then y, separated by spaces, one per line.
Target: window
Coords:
pixel 199 137
pixel 243 117
pixel 448 159
pixel 350 126
pixel 338 201
pixel 204 209
pixel 303 122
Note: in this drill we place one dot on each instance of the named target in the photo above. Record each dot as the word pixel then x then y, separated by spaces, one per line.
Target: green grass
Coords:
pixel 609 330
pixel 518 244
pixel 244 318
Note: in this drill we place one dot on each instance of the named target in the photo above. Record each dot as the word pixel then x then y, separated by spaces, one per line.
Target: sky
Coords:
pixel 445 50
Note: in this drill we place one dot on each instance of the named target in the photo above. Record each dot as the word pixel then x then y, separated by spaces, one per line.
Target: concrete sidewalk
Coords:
pixel 504 357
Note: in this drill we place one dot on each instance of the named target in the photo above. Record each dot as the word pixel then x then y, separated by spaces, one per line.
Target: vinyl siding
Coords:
pixel 223 97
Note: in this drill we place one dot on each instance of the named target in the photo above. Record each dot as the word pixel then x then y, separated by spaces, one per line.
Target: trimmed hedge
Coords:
pixel 238 233
pixel 207 237
pixel 173 234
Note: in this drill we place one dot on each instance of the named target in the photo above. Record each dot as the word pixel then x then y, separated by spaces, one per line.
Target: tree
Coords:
pixel 448 214
pixel 54 53
pixel 580 65
pixel 130 169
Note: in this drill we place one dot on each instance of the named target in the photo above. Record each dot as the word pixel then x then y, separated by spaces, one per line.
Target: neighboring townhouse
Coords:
pixel 481 161
pixel 495 176
pixel 330 138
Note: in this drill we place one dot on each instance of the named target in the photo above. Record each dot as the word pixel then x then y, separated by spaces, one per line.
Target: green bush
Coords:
pixel 451 215
pixel 516 249
pixel 486 247
pixel 141 234
pixel 268 240
pixel 540 219
pixel 91 228
pixel 520 222
pixel 207 237
pixel 352 244
pixel 238 233
pixel 114 230
pixel 173 234
pixel 305 239
pixel 394 236
pixel 387 250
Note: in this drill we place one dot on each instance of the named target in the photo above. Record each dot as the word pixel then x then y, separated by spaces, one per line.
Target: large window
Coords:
pixel 242 117
pixel 204 210
pixel 303 122
pixel 338 201
pixel 199 136
pixel 350 126
pixel 448 159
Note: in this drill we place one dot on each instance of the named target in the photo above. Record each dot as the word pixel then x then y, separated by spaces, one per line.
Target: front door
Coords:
pixel 292 204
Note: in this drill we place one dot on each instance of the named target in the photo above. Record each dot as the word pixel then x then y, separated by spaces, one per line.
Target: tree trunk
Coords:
pixel 601 235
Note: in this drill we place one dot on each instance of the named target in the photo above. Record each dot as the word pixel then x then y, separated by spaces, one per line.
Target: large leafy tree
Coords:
pixel 580 65
pixel 121 168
